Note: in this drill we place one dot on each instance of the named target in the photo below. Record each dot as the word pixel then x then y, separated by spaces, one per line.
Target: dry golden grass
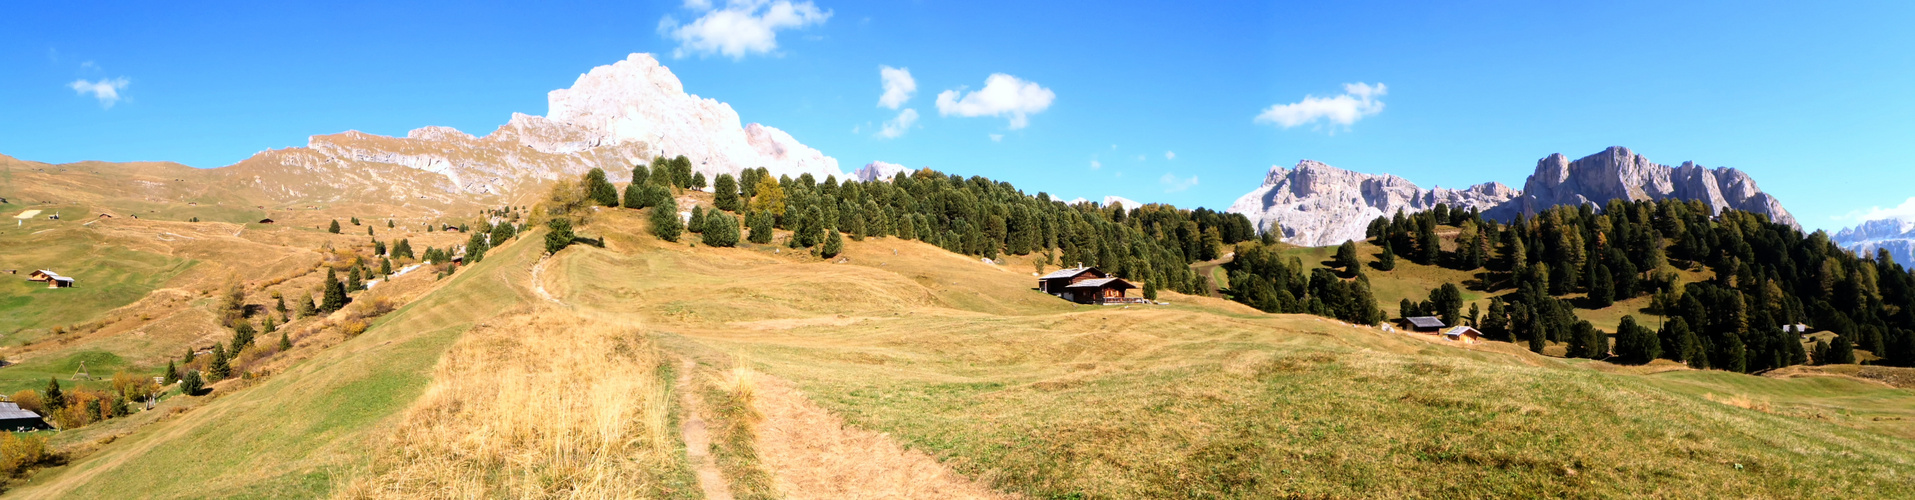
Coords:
pixel 544 404
pixel 730 402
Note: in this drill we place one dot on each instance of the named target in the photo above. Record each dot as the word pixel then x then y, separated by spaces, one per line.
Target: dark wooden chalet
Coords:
pixel 1424 323
pixel 1087 285
pixel 13 418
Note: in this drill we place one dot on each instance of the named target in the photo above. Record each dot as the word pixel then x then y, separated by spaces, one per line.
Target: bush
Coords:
pixel 20 452
pixel 560 235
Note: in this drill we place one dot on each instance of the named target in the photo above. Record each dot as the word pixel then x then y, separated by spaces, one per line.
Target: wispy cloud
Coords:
pixel 1002 95
pixel 898 86
pixel 1905 211
pixel 1357 101
pixel 107 90
pixel 1170 155
pixel 741 28
pixel 1094 164
pixel 1173 184
pixel 898 126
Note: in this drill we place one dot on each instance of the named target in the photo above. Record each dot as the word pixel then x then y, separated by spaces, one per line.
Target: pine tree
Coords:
pixel 1346 258
pixel 1841 352
pixel 1150 289
pixel 475 247
pixel 559 235
pixel 368 230
pixel 191 384
pixel 761 230
pixel 697 222
pixel 1388 261
pixel 725 193
pixel 1602 288
pixel 334 229
pixel 306 306
pixel 335 292
pixel 385 269
pixel 1635 344
pixel 243 335
pixel 52 396
pixel 403 250
pixel 833 244
pixel 1536 336
pixel 664 219
pixel 599 190
pixel 220 367
pixel 188 358
pixel 355 221
pixel 389 224
pixel 172 373
pixel 698 181
pixel 636 196
pixel 280 305
pixel 354 280
pixel 640 176
pixel 285 342
pixel 721 230
pixel 1821 353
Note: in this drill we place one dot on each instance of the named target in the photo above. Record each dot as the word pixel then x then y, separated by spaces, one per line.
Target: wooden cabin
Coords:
pixel 1464 334
pixel 1427 324
pixel 1088 285
pixel 52 279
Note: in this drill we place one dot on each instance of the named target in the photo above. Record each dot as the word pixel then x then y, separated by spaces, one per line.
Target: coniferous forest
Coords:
pixel 1727 289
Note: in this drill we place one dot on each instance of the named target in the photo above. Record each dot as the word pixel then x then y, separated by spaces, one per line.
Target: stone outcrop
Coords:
pixel 612 117
pixel 1314 204
pixel 1618 173
pixel 1895 235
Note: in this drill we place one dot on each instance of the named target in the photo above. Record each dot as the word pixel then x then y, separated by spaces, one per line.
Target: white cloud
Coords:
pixel 1170 155
pixel 1905 211
pixel 1002 95
pixel 898 86
pixel 741 28
pixel 1140 158
pixel 1173 184
pixel 1094 164
pixel 996 137
pixel 107 90
pixel 1357 101
pixel 898 126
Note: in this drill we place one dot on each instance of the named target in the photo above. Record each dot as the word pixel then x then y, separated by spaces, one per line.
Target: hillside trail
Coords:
pixel 810 452
pixel 697 437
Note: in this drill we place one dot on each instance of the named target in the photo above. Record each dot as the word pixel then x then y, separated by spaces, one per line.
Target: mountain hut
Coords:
pixel 1087 285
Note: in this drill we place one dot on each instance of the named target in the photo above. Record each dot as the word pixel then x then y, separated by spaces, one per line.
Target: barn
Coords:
pixel 1464 334
pixel 14 418
pixel 1088 285
pixel 1425 323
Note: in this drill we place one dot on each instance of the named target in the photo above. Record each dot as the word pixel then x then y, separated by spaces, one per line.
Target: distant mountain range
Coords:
pixel 1896 235
pixel 1315 204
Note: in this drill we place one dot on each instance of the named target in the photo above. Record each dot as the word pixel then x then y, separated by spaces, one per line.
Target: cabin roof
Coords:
pixel 10 411
pixel 1100 283
pixel 1460 330
pixel 1425 322
pixel 1066 273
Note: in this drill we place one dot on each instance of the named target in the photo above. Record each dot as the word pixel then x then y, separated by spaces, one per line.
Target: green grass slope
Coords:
pixel 1201 399
pixel 291 434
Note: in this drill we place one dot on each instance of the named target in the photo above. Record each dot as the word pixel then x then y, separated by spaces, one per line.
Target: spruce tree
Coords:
pixel 725 193
pixel 697 222
pixel 335 292
pixel 559 235
pixel 172 373
pixel 403 250
pixel 721 230
pixel 280 305
pixel 191 384
pixel 52 396
pixel 698 181
pixel 220 367
pixel 1536 335
pixel 1346 258
pixel 637 195
pixel 354 281
pixel 1841 352
pixel 1602 288
pixel 600 190
pixel 664 219
pixel 1150 289
pixel 640 176
pixel 1388 261
pixel 1635 344
pixel 761 230
pixel 306 305
pixel 833 244
pixel 285 342
pixel 1821 353
pixel 385 267
pixel 475 248
pixel 389 224
pixel 242 335
pixel 334 229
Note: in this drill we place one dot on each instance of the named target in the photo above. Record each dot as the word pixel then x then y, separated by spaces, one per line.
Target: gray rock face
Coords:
pixel 1618 173
pixel 1895 235
pixel 1319 205
pixel 879 171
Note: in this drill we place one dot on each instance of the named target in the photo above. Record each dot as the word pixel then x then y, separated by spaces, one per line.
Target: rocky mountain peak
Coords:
pixel 1618 173
pixel 1894 234
pixel 1315 204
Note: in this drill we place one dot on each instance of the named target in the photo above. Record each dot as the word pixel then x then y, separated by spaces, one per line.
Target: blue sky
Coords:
pixel 1812 98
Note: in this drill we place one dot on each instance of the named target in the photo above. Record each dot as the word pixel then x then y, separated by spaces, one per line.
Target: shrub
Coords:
pixel 21 452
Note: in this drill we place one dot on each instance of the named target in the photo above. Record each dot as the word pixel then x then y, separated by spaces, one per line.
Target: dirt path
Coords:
pixel 538 284
pixel 814 454
pixel 698 439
